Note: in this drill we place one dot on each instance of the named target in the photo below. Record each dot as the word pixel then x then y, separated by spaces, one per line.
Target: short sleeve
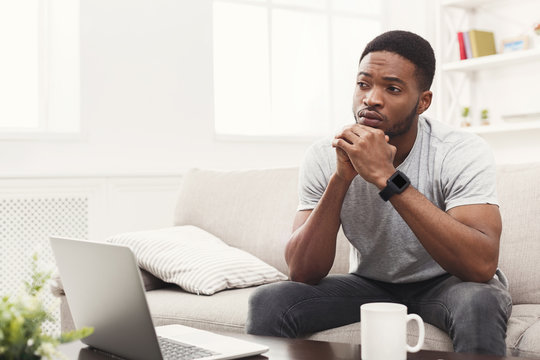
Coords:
pixel 468 174
pixel 314 174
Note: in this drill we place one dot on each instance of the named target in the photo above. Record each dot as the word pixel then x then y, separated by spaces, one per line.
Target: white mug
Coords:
pixel 384 331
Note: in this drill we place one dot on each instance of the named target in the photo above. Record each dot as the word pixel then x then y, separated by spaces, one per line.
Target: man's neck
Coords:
pixel 404 143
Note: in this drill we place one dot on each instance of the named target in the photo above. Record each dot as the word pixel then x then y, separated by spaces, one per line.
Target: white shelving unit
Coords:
pixel 505 127
pixel 493 61
pixel 461 81
pixel 468 4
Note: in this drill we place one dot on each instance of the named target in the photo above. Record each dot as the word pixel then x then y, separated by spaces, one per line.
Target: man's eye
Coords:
pixel 394 89
pixel 361 84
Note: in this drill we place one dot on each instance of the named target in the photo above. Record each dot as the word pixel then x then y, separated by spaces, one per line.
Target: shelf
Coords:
pixel 504 127
pixel 468 4
pixel 493 61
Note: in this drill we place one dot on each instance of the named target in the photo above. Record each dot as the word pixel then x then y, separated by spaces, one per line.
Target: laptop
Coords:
pixel 104 290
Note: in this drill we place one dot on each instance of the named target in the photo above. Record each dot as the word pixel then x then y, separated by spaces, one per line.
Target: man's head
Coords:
pixel 394 76
pixel 410 46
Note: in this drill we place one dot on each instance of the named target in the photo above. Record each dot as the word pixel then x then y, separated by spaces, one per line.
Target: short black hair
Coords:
pixel 410 46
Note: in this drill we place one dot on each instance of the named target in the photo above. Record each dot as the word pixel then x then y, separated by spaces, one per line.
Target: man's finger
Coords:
pixel 341 144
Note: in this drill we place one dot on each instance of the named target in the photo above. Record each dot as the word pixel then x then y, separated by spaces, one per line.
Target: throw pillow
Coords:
pixel 196 260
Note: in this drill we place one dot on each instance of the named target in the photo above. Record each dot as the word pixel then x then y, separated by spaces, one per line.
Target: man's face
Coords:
pixel 386 95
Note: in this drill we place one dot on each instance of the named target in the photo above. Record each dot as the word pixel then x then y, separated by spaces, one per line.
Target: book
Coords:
pixel 462 54
pixel 482 43
pixel 467 41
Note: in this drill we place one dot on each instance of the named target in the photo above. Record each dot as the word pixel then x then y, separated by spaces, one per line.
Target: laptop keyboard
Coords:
pixel 173 350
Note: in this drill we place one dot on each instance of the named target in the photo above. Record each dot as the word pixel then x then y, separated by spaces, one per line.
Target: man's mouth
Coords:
pixel 369 118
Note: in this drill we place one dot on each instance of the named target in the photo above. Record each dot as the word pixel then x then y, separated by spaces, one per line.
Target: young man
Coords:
pixel 417 201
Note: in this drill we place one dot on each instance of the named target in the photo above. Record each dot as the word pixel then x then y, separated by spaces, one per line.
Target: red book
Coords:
pixel 462 52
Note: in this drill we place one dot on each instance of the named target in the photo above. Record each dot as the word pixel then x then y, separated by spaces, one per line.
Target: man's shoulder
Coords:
pixel 449 137
pixel 320 158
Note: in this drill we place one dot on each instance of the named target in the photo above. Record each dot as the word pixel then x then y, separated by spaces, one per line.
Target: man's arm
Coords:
pixel 464 240
pixel 311 249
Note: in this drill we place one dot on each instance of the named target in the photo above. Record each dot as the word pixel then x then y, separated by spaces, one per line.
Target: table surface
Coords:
pixel 294 349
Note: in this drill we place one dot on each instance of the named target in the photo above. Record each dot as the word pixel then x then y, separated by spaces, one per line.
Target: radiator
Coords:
pixel 25 226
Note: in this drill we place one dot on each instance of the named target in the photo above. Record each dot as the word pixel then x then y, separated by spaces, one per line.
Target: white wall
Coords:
pixel 146 94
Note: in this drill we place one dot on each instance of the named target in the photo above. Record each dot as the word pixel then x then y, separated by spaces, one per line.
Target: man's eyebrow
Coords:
pixel 394 79
pixel 386 78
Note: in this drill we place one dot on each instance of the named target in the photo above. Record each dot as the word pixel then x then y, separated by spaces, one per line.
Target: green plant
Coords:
pixel 21 319
pixel 465 111
pixel 484 114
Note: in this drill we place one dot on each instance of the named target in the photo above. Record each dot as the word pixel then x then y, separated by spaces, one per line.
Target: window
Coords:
pixel 287 67
pixel 39 67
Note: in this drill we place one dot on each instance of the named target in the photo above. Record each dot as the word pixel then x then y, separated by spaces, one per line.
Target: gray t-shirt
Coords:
pixel 448 166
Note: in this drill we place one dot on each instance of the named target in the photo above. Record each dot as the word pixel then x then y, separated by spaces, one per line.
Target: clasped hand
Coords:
pixel 365 151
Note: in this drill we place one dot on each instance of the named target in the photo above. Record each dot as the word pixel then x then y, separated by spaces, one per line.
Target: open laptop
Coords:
pixel 104 290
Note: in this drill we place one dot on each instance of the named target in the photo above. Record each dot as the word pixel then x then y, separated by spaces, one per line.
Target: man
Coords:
pixel 415 198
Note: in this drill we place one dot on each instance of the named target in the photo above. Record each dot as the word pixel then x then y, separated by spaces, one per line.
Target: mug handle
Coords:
pixel 421 334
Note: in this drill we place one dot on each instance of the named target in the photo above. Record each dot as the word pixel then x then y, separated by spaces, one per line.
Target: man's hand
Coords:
pixel 368 153
pixel 345 170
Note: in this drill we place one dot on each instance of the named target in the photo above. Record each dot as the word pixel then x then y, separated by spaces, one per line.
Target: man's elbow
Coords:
pixel 309 278
pixel 481 273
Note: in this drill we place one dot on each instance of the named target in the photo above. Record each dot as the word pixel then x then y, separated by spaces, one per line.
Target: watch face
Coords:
pixel 399 181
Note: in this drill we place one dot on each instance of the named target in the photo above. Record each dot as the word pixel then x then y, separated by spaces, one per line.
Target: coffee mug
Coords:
pixel 384 331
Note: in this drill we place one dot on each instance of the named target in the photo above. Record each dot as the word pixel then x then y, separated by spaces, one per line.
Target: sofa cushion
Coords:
pixel 523 335
pixel 223 311
pixel 196 260
pixel 520 239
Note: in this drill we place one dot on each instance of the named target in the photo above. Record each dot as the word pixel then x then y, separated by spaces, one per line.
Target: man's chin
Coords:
pixel 371 122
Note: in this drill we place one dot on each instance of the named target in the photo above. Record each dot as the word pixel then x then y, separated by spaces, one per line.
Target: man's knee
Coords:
pixel 266 307
pixel 479 318
pixel 475 299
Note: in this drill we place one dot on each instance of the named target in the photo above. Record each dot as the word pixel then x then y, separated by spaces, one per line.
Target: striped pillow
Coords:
pixel 196 260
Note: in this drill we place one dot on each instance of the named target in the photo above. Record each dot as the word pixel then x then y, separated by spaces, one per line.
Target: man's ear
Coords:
pixel 424 102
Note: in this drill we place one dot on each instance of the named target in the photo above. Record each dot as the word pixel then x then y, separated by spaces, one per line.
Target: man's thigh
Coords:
pixel 448 299
pixel 296 309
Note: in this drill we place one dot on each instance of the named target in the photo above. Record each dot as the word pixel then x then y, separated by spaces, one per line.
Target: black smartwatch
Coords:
pixel 396 184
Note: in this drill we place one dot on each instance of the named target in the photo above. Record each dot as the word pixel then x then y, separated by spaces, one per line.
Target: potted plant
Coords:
pixel 484 116
pixel 21 319
pixel 465 119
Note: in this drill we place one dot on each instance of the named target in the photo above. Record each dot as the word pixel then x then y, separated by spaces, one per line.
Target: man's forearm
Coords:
pixel 470 253
pixel 311 250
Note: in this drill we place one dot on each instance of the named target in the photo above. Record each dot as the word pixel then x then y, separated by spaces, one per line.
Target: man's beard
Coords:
pixel 401 127
pixel 404 126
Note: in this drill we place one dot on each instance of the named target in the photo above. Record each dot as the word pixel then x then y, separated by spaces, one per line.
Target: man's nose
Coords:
pixel 373 98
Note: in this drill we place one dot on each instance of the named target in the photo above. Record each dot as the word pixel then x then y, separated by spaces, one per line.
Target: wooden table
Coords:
pixel 296 349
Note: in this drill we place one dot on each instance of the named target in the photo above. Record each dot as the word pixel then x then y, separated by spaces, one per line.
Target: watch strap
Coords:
pixel 386 193
pixel 396 184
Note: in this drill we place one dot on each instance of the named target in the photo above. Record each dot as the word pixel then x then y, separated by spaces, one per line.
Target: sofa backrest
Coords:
pixel 519 258
pixel 249 209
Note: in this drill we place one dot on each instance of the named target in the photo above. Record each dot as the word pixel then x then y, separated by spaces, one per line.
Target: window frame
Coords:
pixel 330 14
pixel 43 130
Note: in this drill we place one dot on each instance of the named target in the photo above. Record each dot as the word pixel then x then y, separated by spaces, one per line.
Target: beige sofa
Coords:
pixel 253 210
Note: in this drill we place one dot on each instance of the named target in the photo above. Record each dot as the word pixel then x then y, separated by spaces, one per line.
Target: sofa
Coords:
pixel 254 209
